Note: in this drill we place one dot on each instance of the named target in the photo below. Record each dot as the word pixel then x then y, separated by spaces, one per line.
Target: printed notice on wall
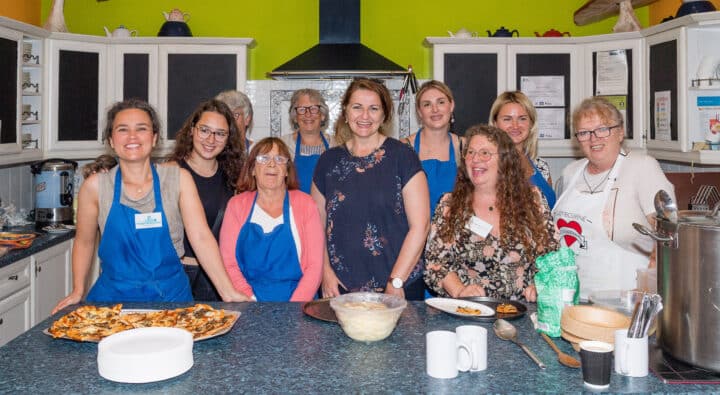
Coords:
pixel 708 108
pixel 662 115
pixel 551 123
pixel 620 102
pixel 544 91
pixel 611 77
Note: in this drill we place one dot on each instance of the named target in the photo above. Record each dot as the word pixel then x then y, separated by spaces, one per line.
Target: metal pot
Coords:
pixel 54 191
pixel 688 273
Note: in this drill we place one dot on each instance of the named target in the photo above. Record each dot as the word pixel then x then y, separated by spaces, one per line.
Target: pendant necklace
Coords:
pixel 597 188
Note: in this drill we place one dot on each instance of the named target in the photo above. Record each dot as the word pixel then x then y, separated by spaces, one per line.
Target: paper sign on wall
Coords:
pixel 611 77
pixel 662 115
pixel 544 91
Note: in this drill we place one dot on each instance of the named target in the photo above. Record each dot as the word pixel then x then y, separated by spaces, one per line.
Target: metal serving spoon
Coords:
pixel 565 359
pixel 507 331
pixel 665 207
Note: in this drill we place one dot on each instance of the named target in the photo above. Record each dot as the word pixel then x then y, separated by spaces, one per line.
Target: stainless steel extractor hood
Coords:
pixel 339 53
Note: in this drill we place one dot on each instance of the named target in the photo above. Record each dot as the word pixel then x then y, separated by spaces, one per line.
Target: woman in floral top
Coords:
pixel 487 233
pixel 373 198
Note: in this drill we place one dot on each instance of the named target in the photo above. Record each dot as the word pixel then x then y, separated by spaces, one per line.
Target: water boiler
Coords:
pixel 54 191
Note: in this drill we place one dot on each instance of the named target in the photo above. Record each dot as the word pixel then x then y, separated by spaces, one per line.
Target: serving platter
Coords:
pixel 461 307
pixel 16 240
pixel 235 315
pixel 489 307
pixel 320 309
pixel 493 304
pixel 60 228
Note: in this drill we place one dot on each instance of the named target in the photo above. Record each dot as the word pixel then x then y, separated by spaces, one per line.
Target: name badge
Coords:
pixel 148 220
pixel 478 226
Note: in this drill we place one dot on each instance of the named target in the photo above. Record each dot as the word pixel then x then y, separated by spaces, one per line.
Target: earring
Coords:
pixel 452 118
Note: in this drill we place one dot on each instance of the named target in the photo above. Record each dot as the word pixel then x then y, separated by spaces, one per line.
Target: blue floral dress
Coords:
pixel 366 220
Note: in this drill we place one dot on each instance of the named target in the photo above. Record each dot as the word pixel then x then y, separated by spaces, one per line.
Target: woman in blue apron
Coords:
pixel 242 110
pixel 514 113
pixel 271 239
pixel 308 116
pixel 140 223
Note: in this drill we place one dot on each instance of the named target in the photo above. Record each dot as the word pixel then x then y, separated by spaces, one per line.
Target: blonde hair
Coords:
pixel 530 145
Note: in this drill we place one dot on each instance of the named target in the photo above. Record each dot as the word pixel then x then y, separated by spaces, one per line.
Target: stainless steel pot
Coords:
pixel 688 258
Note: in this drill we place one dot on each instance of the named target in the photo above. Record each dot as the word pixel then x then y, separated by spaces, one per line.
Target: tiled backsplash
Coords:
pixel 16 187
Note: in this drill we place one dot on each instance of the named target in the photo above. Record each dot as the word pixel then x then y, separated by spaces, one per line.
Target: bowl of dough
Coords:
pixel 368 316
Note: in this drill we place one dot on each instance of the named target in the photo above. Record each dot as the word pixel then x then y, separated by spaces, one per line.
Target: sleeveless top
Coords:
pixel 170 191
pixel 214 195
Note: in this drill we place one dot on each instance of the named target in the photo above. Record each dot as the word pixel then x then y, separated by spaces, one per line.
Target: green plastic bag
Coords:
pixel 557 286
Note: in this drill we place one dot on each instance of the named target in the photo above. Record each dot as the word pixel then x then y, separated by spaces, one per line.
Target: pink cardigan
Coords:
pixel 312 241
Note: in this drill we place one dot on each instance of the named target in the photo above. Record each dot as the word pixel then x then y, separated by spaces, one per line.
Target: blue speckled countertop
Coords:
pixel 43 241
pixel 275 348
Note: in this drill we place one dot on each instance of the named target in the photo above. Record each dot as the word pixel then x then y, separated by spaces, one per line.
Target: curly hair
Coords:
pixel 530 145
pixel 247 182
pixel 231 158
pixel 343 133
pixel 517 203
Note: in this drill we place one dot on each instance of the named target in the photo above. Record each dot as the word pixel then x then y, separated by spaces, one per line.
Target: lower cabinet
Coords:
pixel 51 279
pixel 15 307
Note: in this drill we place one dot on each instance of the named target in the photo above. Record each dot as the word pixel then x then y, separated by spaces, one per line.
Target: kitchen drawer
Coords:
pixel 14 277
pixel 14 315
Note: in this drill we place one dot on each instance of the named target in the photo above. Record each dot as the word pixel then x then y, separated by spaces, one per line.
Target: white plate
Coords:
pixel 56 229
pixel 450 306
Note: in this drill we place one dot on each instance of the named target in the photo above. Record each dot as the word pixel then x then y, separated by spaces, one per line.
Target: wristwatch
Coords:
pixel 396 282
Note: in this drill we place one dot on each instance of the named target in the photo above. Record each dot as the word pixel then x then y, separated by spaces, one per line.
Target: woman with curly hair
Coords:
pixel 487 233
pixel 211 148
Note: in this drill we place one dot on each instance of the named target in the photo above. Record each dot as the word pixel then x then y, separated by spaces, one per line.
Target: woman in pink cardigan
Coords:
pixel 271 240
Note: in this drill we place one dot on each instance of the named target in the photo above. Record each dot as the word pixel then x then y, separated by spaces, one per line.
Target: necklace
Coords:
pixel 352 152
pixel 597 188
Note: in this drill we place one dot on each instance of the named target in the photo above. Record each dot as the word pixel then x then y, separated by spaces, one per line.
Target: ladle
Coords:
pixel 507 331
pixel 565 359
pixel 665 207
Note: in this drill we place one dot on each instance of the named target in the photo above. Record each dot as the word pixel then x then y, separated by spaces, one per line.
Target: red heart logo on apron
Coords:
pixel 574 225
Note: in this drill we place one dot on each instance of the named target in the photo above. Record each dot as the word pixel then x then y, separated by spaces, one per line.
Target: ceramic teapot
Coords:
pixel 553 33
pixel 120 32
pixel 462 33
pixel 502 32
pixel 176 16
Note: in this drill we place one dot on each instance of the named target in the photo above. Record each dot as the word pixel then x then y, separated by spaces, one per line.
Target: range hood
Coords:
pixel 339 53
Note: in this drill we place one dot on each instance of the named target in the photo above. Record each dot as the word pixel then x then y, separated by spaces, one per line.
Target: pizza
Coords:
pixel 506 308
pixel 468 310
pixel 92 323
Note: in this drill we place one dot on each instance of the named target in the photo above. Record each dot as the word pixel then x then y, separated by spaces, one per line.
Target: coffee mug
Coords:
pixel 474 337
pixel 596 357
pixel 442 355
pixel 631 354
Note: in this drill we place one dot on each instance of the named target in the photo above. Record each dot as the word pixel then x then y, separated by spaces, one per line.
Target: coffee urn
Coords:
pixel 54 191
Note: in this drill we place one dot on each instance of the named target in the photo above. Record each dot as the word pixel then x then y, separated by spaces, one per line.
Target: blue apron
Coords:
pixel 440 175
pixel 305 165
pixel 269 261
pixel 539 181
pixel 138 265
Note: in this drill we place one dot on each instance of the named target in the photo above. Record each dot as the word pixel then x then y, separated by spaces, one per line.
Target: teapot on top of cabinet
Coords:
pixel 502 32
pixel 176 16
pixel 462 33
pixel 120 32
pixel 553 33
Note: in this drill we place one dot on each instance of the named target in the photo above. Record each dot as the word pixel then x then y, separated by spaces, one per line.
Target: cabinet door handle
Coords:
pixel 1 321
pixel 14 277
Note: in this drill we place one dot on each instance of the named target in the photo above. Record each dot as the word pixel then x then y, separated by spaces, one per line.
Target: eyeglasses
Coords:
pixel 314 109
pixel 600 133
pixel 483 155
pixel 264 159
pixel 205 132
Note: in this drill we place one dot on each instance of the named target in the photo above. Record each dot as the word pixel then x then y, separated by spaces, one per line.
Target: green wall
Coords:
pixel 284 28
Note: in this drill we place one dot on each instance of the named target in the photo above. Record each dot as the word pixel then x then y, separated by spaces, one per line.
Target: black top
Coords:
pixel 214 195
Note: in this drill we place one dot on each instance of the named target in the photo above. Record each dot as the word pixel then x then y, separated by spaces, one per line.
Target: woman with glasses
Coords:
pixel 514 113
pixel 601 196
pixel 489 230
pixel 308 116
pixel 373 199
pixel 141 210
pixel 242 111
pixel 211 148
pixel 271 239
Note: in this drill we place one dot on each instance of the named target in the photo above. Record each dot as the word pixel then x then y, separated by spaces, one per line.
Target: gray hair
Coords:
pixel 314 95
pixel 236 99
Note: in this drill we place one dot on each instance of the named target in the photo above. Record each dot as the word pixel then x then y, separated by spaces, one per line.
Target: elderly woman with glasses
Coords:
pixel 271 239
pixel 601 196
pixel 489 230
pixel 309 117
pixel 242 111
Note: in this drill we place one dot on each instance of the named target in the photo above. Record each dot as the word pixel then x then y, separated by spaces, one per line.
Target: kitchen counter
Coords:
pixel 43 241
pixel 275 348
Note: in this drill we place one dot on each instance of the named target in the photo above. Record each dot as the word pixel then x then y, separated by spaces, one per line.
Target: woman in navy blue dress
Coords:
pixel 373 198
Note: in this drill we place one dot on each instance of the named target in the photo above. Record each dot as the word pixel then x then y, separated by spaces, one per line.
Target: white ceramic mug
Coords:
pixel 631 354
pixel 442 355
pixel 474 337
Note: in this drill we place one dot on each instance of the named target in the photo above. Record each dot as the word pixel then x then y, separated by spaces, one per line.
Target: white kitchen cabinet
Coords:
pixel 15 307
pixel 51 279
pixel 10 95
